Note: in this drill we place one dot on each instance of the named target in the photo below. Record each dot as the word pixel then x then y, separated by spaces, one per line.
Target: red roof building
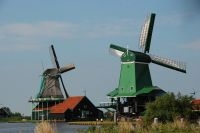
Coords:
pixel 196 105
pixel 69 104
pixel 75 108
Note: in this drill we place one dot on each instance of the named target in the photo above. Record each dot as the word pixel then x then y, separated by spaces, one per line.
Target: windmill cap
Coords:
pixel 135 56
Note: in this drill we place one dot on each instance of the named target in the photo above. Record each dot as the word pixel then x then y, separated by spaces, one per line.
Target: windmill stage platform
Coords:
pixel 107 105
pixel 35 100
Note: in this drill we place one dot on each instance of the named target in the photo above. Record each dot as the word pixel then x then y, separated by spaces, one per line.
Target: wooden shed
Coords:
pixel 75 108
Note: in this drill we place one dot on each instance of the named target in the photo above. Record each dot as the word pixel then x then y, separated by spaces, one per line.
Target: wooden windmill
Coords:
pixel 50 85
pixel 50 92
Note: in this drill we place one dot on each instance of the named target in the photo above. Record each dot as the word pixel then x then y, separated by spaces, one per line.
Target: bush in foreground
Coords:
pixel 169 107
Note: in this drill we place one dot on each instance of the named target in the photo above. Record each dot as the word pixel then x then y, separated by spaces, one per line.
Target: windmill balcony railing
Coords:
pixel 107 104
pixel 45 99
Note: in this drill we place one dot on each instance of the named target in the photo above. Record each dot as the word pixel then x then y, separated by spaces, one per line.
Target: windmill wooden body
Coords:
pixel 135 86
pixel 50 92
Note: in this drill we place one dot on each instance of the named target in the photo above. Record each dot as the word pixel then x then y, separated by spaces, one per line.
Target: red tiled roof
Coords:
pixel 69 103
pixel 196 101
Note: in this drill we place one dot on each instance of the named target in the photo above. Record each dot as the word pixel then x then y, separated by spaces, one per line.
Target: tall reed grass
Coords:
pixel 139 127
pixel 45 127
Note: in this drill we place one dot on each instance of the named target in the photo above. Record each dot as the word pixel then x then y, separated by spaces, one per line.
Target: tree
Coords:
pixel 16 114
pixel 5 111
pixel 169 107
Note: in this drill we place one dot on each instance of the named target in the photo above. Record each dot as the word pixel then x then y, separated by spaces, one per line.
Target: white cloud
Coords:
pixel 27 36
pixel 175 19
pixel 111 29
pixel 30 36
pixel 49 29
pixel 18 47
pixel 195 45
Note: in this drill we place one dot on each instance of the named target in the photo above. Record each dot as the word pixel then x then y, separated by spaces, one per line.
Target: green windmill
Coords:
pixel 135 86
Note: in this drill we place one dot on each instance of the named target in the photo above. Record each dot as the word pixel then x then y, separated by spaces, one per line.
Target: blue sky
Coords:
pixel 81 32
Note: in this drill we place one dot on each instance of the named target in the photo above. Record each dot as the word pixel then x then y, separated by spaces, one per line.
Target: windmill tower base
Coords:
pixel 41 107
pixel 133 105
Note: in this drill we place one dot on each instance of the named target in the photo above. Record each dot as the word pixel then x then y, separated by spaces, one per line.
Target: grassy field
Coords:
pixel 140 127
pixel 127 127
pixel 91 123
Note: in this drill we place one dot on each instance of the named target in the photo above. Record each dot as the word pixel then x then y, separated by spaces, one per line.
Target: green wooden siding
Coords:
pixel 134 76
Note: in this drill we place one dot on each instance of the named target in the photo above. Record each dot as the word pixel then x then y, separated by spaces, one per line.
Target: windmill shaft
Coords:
pixel 135 56
pixel 141 57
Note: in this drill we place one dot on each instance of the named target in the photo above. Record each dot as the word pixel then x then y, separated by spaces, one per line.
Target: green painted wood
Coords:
pixel 134 75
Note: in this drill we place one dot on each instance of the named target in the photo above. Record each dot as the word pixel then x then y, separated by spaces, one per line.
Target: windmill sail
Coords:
pixel 176 65
pixel 60 69
pixel 66 68
pixel 117 50
pixel 53 57
pixel 146 33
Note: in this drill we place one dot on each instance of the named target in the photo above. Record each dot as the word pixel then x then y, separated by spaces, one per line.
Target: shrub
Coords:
pixel 168 107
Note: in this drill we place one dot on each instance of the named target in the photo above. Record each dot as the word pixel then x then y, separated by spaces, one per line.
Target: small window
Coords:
pixel 131 88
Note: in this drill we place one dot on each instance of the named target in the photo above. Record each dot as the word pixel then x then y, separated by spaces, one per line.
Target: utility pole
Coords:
pixel 84 91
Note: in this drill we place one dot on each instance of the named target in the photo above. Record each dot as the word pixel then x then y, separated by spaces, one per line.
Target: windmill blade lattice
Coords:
pixel 143 35
pixel 146 33
pixel 176 65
